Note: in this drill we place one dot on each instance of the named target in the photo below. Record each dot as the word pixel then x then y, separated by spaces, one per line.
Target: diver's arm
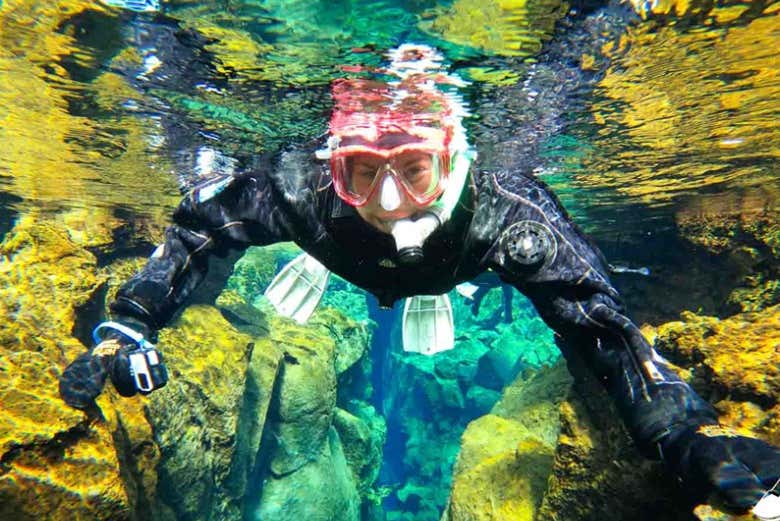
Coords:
pixel 548 259
pixel 224 215
pixel 568 285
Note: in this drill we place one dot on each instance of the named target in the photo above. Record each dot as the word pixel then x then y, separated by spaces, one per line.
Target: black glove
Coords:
pixel 83 380
pixel 711 459
pixel 133 365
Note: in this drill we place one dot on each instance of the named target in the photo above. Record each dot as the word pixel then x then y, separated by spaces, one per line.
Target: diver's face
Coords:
pixel 390 200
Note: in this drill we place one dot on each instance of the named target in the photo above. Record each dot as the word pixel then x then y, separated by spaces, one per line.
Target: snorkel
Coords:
pixel 418 111
pixel 410 234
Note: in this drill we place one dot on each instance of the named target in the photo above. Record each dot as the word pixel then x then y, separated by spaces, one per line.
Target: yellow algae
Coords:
pixel 58 466
pixel 740 352
pixel 744 417
pixel 492 76
pixel 205 347
pixel 58 481
pixel 501 472
pixel 680 111
pixel 57 158
pixel 38 318
pixel 710 513
pixel 133 437
pixel 503 27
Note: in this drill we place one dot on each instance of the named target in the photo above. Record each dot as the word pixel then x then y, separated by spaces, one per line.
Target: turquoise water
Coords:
pixel 645 125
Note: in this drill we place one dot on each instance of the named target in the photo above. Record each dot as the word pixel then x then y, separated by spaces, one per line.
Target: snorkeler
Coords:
pixel 396 202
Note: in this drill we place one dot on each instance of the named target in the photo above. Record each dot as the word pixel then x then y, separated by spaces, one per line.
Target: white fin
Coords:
pixel 296 291
pixel 428 326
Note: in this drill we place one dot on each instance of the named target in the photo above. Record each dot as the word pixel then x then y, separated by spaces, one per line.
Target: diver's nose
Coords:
pixel 390 196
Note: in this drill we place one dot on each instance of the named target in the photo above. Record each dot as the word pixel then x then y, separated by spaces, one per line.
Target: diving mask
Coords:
pixel 361 172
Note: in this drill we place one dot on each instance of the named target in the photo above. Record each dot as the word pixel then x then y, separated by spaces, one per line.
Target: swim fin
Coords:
pixel 298 287
pixel 427 324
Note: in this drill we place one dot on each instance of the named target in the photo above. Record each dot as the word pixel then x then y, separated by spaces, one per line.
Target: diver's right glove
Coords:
pixel 711 459
pixel 123 354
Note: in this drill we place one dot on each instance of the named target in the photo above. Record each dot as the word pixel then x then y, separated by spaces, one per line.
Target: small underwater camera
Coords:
pixel 146 368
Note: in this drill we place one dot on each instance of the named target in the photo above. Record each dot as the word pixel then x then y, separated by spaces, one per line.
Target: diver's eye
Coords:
pixel 415 170
pixel 365 172
pixel 365 169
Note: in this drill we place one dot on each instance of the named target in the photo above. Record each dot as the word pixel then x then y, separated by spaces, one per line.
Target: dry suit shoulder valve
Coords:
pixel 529 244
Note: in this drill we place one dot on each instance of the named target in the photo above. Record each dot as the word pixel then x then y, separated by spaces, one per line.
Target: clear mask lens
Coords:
pixel 419 174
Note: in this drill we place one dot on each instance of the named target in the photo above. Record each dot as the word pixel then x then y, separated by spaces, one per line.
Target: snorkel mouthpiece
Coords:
pixel 390 198
pixel 410 235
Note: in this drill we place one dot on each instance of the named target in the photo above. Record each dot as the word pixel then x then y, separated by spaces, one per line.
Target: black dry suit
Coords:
pixel 506 222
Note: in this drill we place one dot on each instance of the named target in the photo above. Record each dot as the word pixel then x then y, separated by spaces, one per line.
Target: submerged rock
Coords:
pixel 201 447
pixel 322 489
pixel 733 362
pixel 506 456
pixel 597 472
pixel 56 463
pixel 592 471
pixel 744 229
pixel 208 419
pixel 362 442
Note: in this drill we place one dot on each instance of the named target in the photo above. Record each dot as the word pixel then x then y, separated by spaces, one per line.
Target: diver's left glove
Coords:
pixel 710 459
pixel 121 353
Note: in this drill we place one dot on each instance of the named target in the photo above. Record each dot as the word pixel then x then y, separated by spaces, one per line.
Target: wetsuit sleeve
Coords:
pixel 542 253
pixel 225 215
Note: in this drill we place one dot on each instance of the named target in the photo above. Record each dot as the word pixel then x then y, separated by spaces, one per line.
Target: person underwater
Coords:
pixel 396 202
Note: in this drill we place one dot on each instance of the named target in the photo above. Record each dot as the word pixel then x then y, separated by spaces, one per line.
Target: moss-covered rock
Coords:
pixel 596 473
pixel 56 462
pixel 509 478
pixel 506 456
pixel 205 422
pixel 362 441
pixel 242 315
pixel 351 338
pixel 553 454
pixel 733 357
pixel 733 362
pixel 193 449
pixel 322 489
pixel 247 421
pixel 303 406
pixel 307 474
pixel 745 231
